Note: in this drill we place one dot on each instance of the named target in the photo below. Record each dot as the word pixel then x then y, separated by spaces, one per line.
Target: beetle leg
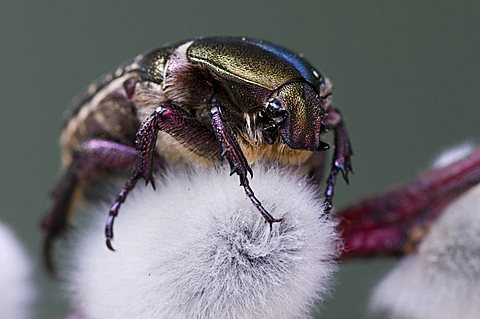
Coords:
pixel 230 148
pixel 145 142
pixel 179 124
pixel 182 126
pixel 236 158
pixel 91 160
pixel 113 212
pixel 341 158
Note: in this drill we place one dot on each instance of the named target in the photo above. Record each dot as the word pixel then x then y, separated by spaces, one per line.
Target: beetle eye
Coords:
pixel 276 111
pixel 274 106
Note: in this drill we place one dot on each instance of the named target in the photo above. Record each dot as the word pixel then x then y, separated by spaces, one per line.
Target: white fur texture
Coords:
pixel 198 248
pixel 15 278
pixel 441 280
pixel 454 154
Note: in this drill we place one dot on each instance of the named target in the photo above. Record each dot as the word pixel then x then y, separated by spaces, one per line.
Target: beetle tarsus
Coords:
pixel 341 161
pixel 108 242
pixel 268 217
pixel 327 205
pixel 330 190
pixel 113 213
pixel 237 160
pixel 345 170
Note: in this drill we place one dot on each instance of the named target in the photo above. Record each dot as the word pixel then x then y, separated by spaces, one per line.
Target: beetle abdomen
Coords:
pixel 113 118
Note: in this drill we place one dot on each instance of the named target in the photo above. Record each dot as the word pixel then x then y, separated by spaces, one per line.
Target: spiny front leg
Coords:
pixel 236 158
pixel 179 124
pixel 176 122
pixel 145 141
pixel 230 148
pixel 341 161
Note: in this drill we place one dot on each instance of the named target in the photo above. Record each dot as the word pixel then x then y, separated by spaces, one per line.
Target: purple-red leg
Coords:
pixel 341 158
pixel 236 158
pixel 393 223
pixel 183 127
pixel 113 212
pixel 91 160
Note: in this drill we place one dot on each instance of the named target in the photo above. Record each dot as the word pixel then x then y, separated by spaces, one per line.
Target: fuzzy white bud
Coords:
pixel 15 277
pixel 454 154
pixel 441 280
pixel 197 248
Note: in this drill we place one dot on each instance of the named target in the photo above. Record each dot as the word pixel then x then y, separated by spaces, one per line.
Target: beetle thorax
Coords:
pixel 183 82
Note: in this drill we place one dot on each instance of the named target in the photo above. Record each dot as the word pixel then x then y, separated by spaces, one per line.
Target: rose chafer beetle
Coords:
pixel 197 102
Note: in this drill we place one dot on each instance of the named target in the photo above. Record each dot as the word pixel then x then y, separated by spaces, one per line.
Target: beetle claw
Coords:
pixel 272 221
pixel 108 242
pixel 150 180
pixel 328 205
pixel 344 169
pixel 249 169
pixel 345 176
pixel 324 146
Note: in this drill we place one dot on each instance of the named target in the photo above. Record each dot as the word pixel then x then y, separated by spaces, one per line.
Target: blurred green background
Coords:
pixel 406 76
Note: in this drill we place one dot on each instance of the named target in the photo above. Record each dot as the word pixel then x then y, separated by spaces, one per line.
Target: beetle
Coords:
pixel 198 102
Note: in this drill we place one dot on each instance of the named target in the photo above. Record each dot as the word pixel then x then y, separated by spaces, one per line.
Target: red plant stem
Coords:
pixel 392 223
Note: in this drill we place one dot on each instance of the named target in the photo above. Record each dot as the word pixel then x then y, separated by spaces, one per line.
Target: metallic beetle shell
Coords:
pixel 246 72
pixel 248 60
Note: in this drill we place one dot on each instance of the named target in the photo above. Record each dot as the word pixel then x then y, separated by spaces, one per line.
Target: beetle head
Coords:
pixel 296 110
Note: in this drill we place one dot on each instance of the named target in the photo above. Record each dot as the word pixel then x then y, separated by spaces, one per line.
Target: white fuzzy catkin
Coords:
pixel 454 154
pixel 441 280
pixel 15 277
pixel 197 248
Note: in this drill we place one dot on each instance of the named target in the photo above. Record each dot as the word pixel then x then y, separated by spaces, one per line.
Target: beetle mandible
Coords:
pixel 196 102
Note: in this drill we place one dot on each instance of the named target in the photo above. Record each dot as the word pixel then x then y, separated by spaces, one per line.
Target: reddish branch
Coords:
pixel 394 222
